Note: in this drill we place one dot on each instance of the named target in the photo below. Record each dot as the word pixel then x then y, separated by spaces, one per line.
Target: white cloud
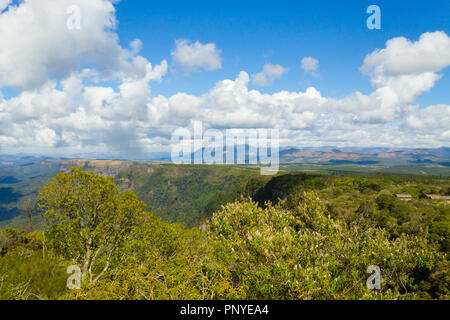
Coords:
pixel 46 137
pixel 130 119
pixel 62 108
pixel 399 73
pixel 405 70
pixel 431 53
pixel 309 64
pixel 269 74
pixel 36 43
pixel 195 56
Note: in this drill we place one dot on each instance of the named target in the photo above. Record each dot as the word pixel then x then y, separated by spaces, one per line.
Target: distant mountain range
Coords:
pixel 22 175
pixel 367 156
pixel 290 155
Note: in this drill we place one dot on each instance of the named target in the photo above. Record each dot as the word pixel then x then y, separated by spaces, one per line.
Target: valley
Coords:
pixel 189 194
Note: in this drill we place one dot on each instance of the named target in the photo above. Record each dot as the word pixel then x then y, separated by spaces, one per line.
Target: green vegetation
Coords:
pixel 187 193
pixel 296 236
pixel 390 168
pixel 295 250
pixel 373 197
pixel 88 220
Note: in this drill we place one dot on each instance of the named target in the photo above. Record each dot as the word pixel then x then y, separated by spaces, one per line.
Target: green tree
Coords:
pixel 87 219
pixel 385 201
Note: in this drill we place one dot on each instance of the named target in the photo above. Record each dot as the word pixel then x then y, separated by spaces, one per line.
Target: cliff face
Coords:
pixel 106 168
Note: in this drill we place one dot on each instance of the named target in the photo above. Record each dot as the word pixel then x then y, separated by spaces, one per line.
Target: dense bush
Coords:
pixel 295 250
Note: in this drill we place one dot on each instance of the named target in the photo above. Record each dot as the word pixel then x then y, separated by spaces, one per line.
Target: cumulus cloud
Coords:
pixel 269 74
pixel 400 73
pixel 37 44
pixel 196 56
pixel 431 53
pixel 405 70
pixel 63 109
pixel 309 64
pixel 131 120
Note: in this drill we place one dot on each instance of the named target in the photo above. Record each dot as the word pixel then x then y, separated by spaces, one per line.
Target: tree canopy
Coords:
pixel 88 219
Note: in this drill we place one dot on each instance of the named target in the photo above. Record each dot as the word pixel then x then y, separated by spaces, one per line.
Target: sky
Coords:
pixel 108 76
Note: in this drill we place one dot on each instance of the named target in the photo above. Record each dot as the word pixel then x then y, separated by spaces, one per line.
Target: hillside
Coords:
pixel 381 160
pixel 19 183
pixel 316 243
pixel 372 198
pixel 188 193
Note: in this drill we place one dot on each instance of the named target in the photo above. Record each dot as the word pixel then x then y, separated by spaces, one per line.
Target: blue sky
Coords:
pixel 72 81
pixel 252 33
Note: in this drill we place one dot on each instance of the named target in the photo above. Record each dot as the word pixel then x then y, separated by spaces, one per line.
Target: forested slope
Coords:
pixel 186 193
